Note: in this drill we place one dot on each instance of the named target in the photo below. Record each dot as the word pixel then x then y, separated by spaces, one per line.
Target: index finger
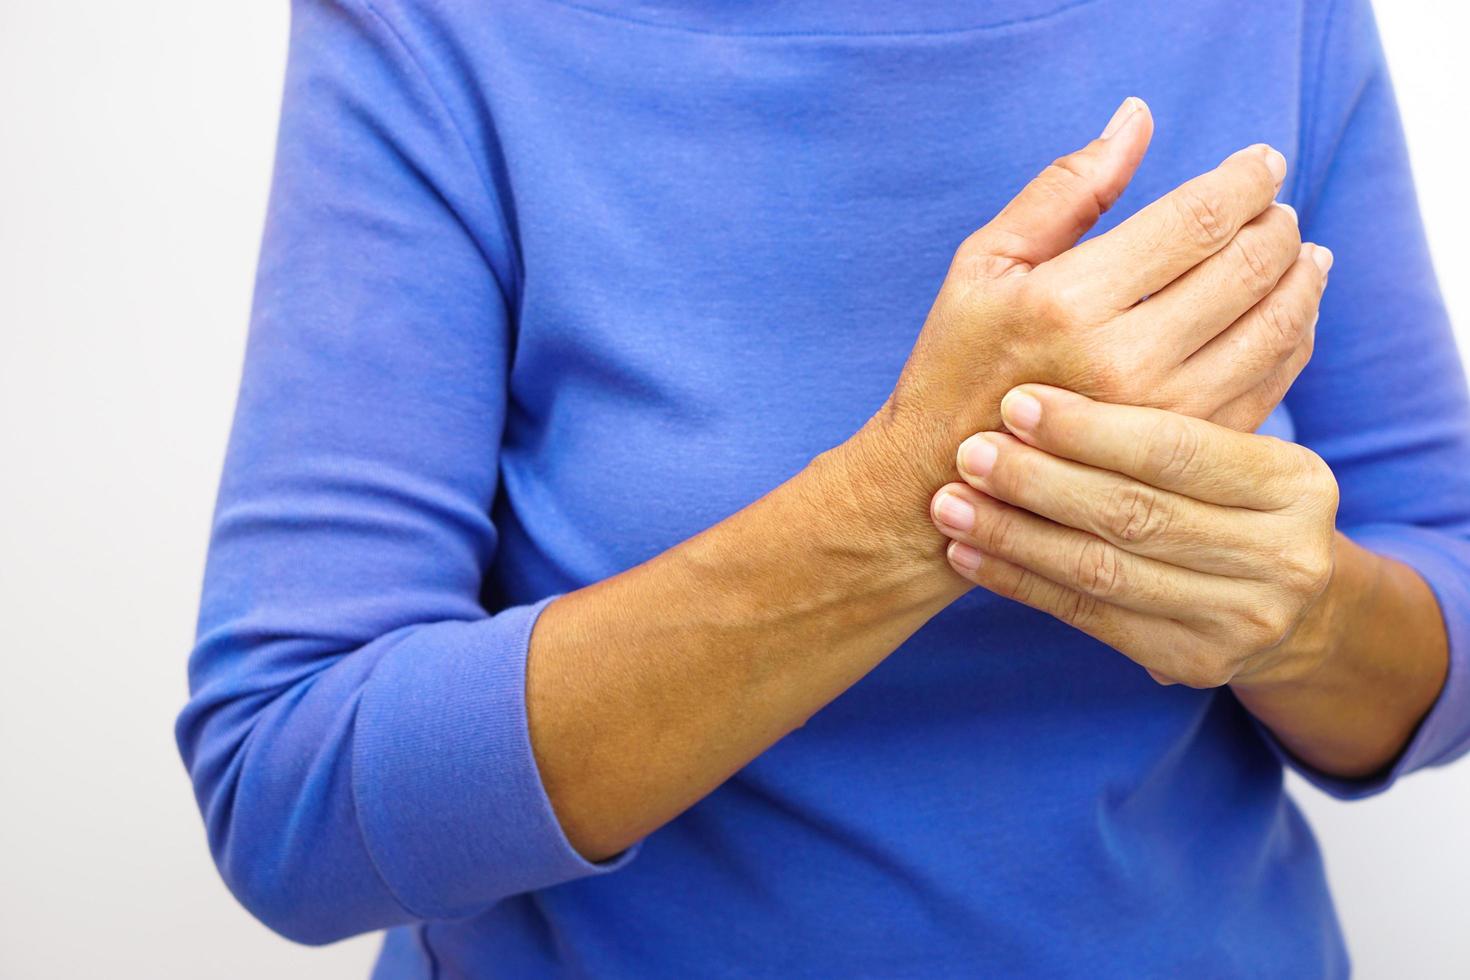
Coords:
pixel 1172 235
pixel 1162 449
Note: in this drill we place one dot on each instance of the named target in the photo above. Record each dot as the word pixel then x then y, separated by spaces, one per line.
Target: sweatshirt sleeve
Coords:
pixel 1384 399
pixel 356 731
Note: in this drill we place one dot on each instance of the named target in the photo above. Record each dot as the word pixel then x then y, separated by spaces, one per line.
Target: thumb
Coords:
pixel 1067 198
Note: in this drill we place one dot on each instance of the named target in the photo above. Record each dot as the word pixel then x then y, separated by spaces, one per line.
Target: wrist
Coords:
pixel 877 488
pixel 922 440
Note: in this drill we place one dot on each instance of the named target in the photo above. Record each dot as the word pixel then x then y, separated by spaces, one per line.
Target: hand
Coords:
pixel 1229 297
pixel 1199 552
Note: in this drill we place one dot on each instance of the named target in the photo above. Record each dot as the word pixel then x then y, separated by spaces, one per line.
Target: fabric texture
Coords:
pixel 547 288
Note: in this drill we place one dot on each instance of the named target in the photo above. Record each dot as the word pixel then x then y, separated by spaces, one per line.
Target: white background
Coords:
pixel 135 149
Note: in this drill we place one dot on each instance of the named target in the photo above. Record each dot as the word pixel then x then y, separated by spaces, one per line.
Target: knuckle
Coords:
pixel 1062 304
pixel 986 259
pixel 1331 494
pixel 1253 263
pixel 1204 673
pixel 1004 581
pixel 1069 178
pixel 968 253
pixel 999 534
pixel 1024 588
pixel 1134 513
pixel 1321 570
pixel 1161 679
pixel 1248 171
pixel 1170 452
pixel 1217 674
pixel 1098 572
pixel 1077 608
pixel 1012 473
pixel 1070 170
pixel 1273 389
pixel 1263 626
pixel 1283 324
pixel 1307 572
pixel 1323 472
pixel 1201 217
pixel 1316 476
pixel 971 259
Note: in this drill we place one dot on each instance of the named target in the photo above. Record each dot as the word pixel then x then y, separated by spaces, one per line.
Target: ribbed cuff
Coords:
pixel 448 795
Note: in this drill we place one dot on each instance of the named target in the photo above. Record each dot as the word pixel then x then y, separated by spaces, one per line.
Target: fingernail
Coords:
pixel 1020 410
pixel 1287 208
pixel 977 456
pixel 963 557
pixel 1323 257
pixel 1124 112
pixel 1275 162
pixel 955 513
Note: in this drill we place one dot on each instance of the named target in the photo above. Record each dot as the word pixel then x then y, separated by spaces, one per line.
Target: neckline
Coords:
pixel 825 18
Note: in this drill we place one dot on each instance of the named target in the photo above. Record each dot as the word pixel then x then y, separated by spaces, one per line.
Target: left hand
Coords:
pixel 1202 553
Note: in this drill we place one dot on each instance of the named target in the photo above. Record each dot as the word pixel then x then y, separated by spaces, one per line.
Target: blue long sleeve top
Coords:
pixel 547 287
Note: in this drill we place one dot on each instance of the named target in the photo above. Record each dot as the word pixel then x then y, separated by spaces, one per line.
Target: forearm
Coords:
pixel 648 690
pixel 1373 658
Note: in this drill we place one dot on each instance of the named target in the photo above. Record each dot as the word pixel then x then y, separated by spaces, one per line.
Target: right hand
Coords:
pixel 1204 302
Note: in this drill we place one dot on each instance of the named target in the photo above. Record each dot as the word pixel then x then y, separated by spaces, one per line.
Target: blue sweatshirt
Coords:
pixel 548 287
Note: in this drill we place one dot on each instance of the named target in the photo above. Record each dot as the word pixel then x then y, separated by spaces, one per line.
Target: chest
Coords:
pixel 729 241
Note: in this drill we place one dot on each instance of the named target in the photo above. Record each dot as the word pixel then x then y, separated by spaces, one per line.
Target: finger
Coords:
pixel 1247 411
pixel 1270 335
pixel 1156 644
pixel 1172 235
pixel 1067 198
pixel 1128 514
pixel 1080 561
pixel 1162 449
pixel 1191 311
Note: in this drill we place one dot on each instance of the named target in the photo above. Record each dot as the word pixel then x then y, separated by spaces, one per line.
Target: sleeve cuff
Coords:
pixel 449 799
pixel 1444 734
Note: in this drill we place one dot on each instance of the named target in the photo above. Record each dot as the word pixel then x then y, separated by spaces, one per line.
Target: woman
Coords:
pixel 592 586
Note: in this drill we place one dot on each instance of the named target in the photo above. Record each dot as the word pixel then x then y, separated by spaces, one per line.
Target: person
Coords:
pixel 593 586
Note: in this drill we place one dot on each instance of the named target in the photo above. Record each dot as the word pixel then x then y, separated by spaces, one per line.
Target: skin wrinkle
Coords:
pixel 1307 598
